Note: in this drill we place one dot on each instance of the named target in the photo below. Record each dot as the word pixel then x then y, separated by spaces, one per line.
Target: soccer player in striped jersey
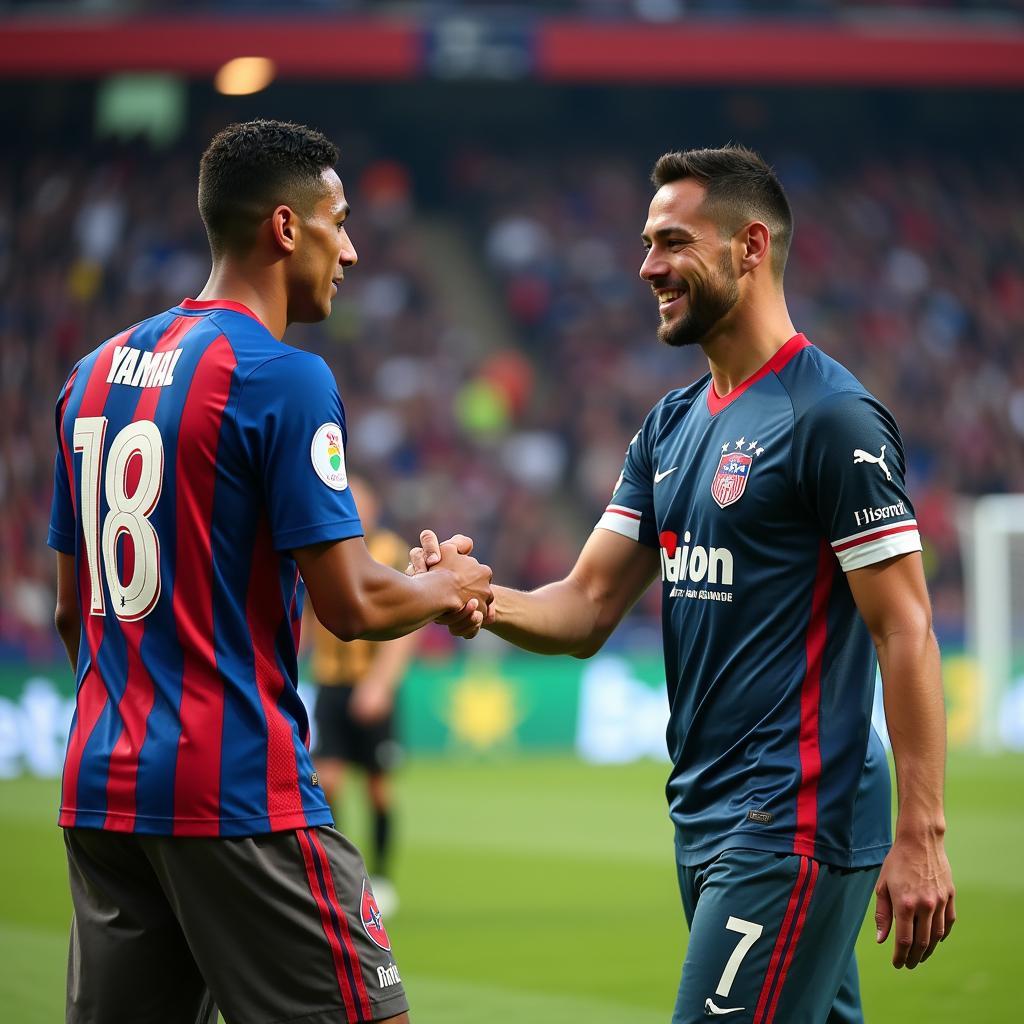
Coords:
pixel 769 498
pixel 200 471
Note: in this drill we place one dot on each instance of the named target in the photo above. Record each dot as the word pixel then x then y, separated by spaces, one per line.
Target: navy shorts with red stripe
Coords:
pixel 267 928
pixel 772 939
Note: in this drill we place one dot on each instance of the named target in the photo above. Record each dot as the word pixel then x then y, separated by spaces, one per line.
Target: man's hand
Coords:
pixel 429 554
pixel 469 620
pixel 915 886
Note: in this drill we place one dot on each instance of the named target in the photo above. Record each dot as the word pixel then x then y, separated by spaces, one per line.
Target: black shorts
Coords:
pixel 268 928
pixel 372 745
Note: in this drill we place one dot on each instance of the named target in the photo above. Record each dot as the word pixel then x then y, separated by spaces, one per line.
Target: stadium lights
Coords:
pixel 244 76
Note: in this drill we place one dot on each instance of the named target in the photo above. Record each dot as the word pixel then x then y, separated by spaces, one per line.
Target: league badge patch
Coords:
pixel 730 480
pixel 373 923
pixel 327 456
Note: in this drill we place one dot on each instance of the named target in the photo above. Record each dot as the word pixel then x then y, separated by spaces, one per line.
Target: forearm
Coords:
pixel 559 618
pixel 916 720
pixel 394 605
pixel 356 597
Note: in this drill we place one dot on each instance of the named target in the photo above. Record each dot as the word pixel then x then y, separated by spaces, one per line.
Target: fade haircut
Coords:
pixel 741 187
pixel 250 168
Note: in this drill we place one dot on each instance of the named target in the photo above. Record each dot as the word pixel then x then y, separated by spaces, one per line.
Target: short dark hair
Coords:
pixel 250 168
pixel 741 187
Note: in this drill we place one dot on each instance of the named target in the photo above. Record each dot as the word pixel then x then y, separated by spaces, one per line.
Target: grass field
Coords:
pixel 543 890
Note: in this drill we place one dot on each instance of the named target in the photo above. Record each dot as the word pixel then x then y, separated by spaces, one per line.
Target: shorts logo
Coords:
pixel 327 456
pixel 730 480
pixel 373 924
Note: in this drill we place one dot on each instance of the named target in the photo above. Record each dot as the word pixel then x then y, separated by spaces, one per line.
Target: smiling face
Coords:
pixel 688 264
pixel 322 252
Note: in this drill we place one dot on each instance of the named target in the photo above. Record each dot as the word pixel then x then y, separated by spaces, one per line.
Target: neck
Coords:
pixel 745 340
pixel 258 288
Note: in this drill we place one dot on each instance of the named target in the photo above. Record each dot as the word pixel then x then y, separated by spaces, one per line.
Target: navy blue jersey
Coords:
pixel 759 502
pixel 195 451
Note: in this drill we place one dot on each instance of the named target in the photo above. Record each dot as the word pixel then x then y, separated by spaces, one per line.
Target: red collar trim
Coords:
pixel 717 403
pixel 237 307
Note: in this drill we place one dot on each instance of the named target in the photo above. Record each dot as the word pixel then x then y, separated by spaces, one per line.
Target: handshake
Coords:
pixel 471 581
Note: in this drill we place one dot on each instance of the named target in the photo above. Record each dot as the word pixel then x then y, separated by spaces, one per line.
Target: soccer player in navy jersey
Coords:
pixel 200 471
pixel 769 498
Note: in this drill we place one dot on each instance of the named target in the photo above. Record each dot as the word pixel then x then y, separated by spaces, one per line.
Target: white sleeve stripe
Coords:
pixel 876 531
pixel 620 523
pixel 623 511
pixel 878 550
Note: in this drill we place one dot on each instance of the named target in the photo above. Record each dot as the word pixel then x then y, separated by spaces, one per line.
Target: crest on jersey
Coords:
pixel 373 923
pixel 328 456
pixel 731 478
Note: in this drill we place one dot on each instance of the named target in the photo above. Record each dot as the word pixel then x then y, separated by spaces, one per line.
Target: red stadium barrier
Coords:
pixel 922 53
pixel 745 53
pixel 300 47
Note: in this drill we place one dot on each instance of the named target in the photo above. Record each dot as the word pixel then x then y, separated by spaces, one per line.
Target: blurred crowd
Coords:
pixel 909 272
pixel 645 10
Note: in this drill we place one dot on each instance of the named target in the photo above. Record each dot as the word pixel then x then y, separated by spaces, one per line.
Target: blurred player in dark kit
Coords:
pixel 769 498
pixel 200 470
pixel 357 683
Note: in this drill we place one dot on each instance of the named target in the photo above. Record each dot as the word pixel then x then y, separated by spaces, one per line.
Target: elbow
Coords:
pixel 63 619
pixel 592 644
pixel 346 624
pixel 606 618
pixel 66 621
pixel 346 628
pixel 346 632
pixel 915 626
pixel 909 628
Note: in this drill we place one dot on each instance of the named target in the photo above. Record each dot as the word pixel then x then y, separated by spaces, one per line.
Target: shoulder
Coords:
pixel 289 372
pixel 823 391
pixel 83 369
pixel 676 404
pixel 683 398
pixel 72 377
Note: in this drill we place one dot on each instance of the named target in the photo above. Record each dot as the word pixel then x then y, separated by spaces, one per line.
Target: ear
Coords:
pixel 284 227
pixel 755 245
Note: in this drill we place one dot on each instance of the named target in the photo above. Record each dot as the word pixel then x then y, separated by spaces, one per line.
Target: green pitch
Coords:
pixel 543 890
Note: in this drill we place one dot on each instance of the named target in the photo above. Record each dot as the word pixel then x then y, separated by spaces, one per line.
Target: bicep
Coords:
pixel 891 595
pixel 613 571
pixel 336 574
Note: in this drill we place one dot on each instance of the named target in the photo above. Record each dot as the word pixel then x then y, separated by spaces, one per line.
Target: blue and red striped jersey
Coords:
pixel 758 503
pixel 195 453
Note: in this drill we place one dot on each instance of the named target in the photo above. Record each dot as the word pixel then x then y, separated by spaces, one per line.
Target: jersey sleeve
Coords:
pixel 851 472
pixel 292 425
pixel 61 535
pixel 63 529
pixel 631 509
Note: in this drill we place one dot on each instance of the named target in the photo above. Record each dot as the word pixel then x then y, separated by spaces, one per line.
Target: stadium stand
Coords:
pixel 645 10
pixel 908 271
